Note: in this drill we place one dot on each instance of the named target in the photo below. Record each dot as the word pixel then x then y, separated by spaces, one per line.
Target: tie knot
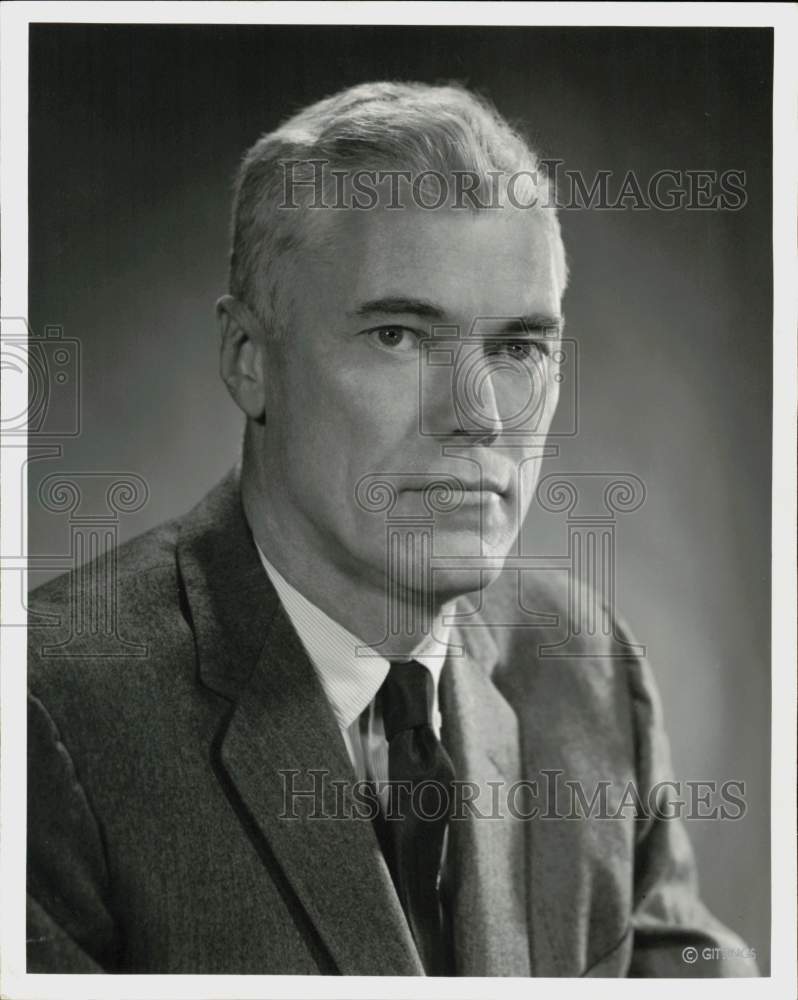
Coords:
pixel 406 694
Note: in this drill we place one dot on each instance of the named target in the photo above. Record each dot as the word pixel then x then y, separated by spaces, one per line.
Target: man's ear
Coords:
pixel 241 360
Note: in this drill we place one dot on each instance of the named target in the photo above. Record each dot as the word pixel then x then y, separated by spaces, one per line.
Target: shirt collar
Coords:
pixel 350 679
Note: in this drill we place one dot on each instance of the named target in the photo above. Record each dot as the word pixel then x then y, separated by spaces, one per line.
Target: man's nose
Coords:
pixel 464 399
pixel 476 395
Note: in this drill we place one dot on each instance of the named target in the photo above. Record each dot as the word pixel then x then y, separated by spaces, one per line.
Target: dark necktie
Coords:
pixel 420 796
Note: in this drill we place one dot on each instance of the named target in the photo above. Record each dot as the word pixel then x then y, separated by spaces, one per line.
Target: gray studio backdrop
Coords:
pixel 135 133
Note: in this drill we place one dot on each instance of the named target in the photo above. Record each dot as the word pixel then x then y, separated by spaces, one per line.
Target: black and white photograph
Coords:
pixel 398 523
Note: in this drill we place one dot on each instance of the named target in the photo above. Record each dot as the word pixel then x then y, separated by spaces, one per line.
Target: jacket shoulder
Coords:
pixel 557 643
pixel 148 553
pixel 108 611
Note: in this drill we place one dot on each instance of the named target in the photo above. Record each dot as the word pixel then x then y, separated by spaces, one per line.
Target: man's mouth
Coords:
pixel 476 496
pixel 462 491
pixel 485 485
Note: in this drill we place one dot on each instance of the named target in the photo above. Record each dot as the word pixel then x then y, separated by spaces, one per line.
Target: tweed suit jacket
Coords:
pixel 158 835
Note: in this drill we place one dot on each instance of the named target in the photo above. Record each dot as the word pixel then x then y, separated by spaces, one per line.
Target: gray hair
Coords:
pixel 413 127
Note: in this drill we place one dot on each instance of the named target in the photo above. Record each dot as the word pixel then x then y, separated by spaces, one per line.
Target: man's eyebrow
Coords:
pixel 537 324
pixel 535 321
pixel 395 305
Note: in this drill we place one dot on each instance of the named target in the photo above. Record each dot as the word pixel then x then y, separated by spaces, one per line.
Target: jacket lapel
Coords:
pixel 488 877
pixel 523 881
pixel 281 729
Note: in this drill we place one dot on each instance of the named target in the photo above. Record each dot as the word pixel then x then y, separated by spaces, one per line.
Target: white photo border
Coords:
pixel 16 17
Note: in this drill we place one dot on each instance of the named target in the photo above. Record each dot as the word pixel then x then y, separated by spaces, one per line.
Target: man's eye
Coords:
pixel 395 338
pixel 517 349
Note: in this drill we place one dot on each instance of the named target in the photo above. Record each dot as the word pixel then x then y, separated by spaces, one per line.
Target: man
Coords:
pixel 252 796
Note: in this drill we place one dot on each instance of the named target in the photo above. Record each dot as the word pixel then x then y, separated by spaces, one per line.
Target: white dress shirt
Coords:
pixel 351 680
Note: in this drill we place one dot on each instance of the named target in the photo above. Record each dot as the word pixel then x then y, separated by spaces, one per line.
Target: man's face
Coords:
pixel 404 362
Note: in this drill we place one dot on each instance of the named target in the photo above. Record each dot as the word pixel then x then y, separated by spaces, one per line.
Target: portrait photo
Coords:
pixel 394 580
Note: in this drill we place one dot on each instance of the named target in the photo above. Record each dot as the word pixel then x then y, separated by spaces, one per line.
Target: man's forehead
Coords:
pixel 500 262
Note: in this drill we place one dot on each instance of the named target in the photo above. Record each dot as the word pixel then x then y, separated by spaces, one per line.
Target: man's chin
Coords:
pixel 455 561
pixel 474 546
pixel 464 562
pixel 452 583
